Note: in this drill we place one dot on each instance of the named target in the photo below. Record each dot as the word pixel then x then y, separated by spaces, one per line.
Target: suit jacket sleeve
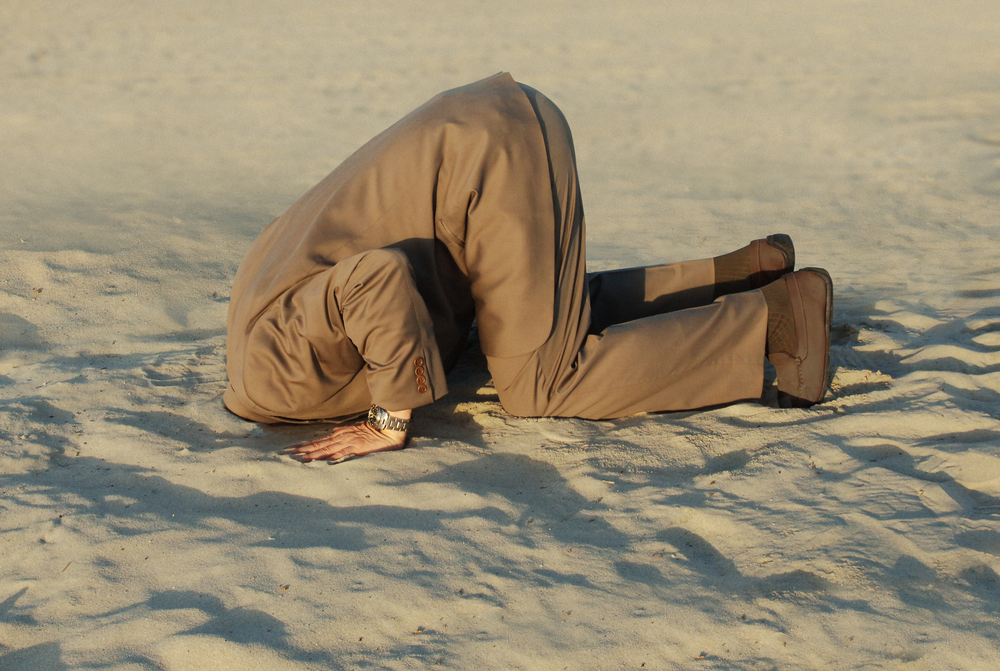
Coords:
pixel 386 319
pixel 361 317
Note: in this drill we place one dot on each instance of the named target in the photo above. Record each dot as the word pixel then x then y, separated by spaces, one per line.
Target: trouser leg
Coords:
pixel 651 353
pixel 572 304
pixel 619 296
pixel 673 361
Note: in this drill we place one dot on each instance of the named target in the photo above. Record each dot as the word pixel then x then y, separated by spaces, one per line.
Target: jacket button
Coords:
pixel 419 361
pixel 421 389
pixel 418 371
pixel 421 380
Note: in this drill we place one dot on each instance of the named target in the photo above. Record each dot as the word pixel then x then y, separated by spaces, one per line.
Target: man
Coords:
pixel 361 296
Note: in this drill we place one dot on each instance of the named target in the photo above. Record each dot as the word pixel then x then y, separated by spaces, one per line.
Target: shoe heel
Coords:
pixel 783 243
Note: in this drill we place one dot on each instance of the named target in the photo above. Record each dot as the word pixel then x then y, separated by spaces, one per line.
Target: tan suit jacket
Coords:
pixel 365 288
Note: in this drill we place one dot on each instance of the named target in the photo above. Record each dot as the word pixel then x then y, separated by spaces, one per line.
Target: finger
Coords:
pixel 311 445
pixel 323 453
pixel 302 448
pixel 333 457
pixel 331 448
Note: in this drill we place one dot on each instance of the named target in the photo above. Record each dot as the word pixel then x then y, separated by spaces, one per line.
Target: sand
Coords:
pixel 143 527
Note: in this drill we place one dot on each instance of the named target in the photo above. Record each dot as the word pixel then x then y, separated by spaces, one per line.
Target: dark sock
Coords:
pixel 780 321
pixel 732 272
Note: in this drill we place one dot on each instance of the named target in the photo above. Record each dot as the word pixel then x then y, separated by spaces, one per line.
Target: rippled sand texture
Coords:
pixel 145 144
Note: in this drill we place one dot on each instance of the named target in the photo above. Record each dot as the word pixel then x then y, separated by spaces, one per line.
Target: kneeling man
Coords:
pixel 361 296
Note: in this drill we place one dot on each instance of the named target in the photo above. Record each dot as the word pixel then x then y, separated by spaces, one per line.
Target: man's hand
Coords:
pixel 347 442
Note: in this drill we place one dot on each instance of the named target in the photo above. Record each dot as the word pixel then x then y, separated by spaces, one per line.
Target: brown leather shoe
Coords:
pixel 804 374
pixel 770 259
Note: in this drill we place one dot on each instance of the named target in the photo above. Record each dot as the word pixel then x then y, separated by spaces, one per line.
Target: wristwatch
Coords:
pixel 380 420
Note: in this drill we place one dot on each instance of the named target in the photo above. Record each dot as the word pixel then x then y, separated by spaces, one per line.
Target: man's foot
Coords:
pixel 799 310
pixel 754 266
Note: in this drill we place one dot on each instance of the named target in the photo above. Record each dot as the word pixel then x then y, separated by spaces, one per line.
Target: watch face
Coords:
pixel 380 420
pixel 377 417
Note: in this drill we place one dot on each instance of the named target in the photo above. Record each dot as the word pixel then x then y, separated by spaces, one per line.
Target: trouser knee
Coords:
pixel 382 264
pixel 522 407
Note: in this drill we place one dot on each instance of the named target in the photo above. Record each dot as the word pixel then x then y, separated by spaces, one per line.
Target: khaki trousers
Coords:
pixel 634 340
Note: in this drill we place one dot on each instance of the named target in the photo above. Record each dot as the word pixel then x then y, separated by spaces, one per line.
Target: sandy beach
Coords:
pixel 143 527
